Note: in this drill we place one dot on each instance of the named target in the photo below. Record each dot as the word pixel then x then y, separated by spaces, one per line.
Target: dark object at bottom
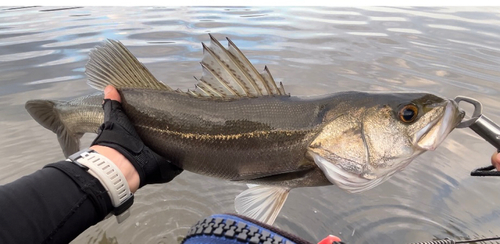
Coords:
pixel 236 229
pixel 445 241
pixel 485 171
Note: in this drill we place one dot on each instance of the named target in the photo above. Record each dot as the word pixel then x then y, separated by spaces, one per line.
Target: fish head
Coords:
pixel 368 138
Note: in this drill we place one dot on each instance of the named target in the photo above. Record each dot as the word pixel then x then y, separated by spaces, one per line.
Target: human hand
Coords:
pixel 118 140
pixel 495 160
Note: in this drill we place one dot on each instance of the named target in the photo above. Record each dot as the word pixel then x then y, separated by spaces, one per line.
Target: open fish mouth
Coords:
pixel 353 182
pixel 431 136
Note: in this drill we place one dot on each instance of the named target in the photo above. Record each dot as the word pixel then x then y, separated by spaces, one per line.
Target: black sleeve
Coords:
pixel 52 205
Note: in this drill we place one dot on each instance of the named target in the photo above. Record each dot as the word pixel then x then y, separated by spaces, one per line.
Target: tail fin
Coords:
pixel 45 112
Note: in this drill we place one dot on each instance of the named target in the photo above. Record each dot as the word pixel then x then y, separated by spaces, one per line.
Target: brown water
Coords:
pixel 447 51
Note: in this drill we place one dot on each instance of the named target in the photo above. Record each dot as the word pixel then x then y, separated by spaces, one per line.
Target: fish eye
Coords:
pixel 408 113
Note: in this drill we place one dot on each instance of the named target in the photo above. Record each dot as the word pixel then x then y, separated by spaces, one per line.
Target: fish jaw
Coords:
pixel 431 136
pixel 350 182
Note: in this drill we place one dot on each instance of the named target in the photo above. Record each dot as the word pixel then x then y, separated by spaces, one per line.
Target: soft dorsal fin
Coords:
pixel 113 64
pixel 227 73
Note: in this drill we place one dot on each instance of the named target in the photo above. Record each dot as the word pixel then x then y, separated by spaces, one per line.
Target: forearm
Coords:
pixel 52 205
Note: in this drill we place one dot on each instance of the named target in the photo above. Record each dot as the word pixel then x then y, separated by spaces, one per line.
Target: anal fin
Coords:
pixel 262 203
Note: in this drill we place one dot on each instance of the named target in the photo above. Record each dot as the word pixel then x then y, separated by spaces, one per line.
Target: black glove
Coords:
pixel 119 133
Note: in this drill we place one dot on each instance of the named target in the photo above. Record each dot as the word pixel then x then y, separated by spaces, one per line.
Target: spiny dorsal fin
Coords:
pixel 227 73
pixel 113 64
pixel 267 85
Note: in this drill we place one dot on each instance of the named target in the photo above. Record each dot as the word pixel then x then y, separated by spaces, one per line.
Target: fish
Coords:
pixel 239 124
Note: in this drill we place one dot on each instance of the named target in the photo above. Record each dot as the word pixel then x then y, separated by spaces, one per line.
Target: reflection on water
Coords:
pixel 447 51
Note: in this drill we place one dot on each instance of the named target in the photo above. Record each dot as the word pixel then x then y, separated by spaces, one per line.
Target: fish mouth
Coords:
pixel 350 182
pixel 431 136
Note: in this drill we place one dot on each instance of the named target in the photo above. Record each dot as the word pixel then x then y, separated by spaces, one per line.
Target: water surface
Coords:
pixel 314 51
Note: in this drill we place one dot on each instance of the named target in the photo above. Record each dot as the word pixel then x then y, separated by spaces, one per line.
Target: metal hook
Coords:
pixel 485 128
pixel 478 110
pixel 482 125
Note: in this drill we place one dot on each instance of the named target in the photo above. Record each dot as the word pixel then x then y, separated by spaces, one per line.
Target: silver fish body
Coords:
pixel 239 125
pixel 256 139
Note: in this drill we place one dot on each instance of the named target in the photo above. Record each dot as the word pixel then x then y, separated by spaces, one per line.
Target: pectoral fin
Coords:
pixel 262 203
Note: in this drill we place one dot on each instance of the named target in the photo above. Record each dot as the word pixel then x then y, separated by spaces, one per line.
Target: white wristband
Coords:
pixel 111 178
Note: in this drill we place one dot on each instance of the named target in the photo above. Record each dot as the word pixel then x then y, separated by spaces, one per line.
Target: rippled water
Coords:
pixel 447 51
